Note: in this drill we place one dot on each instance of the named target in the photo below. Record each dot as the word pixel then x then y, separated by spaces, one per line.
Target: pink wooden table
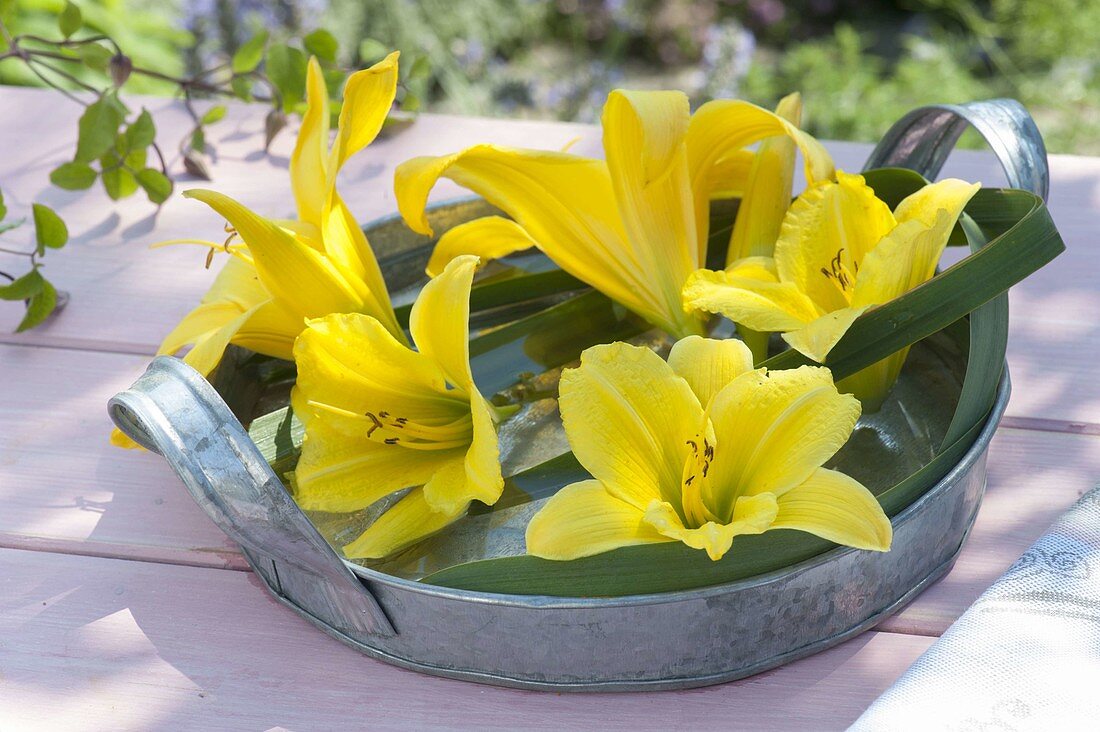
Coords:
pixel 123 607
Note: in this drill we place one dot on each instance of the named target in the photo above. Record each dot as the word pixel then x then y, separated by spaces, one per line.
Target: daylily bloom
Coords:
pixel 841 251
pixel 287 271
pixel 380 417
pixel 702 449
pixel 633 227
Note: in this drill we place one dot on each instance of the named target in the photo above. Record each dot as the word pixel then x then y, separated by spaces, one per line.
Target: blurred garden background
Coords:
pixel 859 65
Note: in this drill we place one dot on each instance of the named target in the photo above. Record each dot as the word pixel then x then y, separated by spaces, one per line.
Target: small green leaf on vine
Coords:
pixel 322 44
pixel 214 114
pixel 49 230
pixel 155 184
pixel 70 19
pixel 98 128
pixel 73 176
pixel 249 55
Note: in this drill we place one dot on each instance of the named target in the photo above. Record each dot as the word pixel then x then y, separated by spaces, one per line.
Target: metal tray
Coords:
pixel 669 640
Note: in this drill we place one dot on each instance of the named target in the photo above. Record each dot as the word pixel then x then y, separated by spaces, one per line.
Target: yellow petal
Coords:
pixel 209 348
pixel 238 283
pixel 838 508
pixel 908 255
pixel 825 236
pixel 817 338
pixel 309 176
pixel 728 177
pixel 627 417
pixel 752 515
pixel 368 96
pixel 352 363
pixel 749 301
pixel 347 246
pixel 708 365
pixel 440 317
pixel 774 429
pixel 204 319
pixel 950 194
pixel 270 330
pixel 768 191
pixel 294 273
pixel 565 202
pixel 118 439
pixel 490 237
pixel 341 473
pixel 643 138
pixel 721 127
pixel 409 520
pixel 583 519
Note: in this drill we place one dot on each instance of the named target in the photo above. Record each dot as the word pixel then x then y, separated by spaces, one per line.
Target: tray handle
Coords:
pixel 923 138
pixel 173 411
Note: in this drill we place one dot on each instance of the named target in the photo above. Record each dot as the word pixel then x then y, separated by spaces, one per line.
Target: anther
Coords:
pixel 391 440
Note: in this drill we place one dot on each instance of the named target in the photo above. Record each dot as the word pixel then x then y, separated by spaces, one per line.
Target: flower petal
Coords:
pixel 708 365
pixel 347 246
pixel 774 429
pixel 750 301
pixel 565 202
pixel 408 521
pixel 490 237
pixel 293 272
pixel 628 417
pixel 826 235
pixel 583 519
pixel 309 175
pixel 440 320
pixel 368 97
pixel 728 177
pixel 752 515
pixel 342 473
pixel 643 138
pixel 908 255
pixel 838 508
pixel 817 338
pixel 351 362
pixel 768 191
pixel 270 330
pixel 950 194
pixel 207 352
pixel 721 127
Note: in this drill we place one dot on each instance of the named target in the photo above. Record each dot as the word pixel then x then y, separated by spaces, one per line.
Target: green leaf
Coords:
pixel 70 19
pixel 98 128
pixel 24 287
pixel 371 50
pixel 141 133
pixel 41 304
pixel 214 114
pixel 286 68
pixel 198 140
pixel 411 103
pixel 322 44
pixel 242 88
pixel 49 230
pixel 3 207
pixel 73 176
pixel 249 55
pixel 94 56
pixel 117 181
pixel 156 185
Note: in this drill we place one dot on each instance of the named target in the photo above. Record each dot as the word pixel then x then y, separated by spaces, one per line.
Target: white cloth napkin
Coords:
pixel 1025 656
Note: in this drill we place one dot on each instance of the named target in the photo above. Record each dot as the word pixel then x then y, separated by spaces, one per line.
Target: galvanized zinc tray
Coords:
pixel 668 640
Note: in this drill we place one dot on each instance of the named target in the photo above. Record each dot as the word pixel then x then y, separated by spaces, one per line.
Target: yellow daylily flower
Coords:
pixel 380 417
pixel 288 271
pixel 633 227
pixel 841 251
pixel 702 449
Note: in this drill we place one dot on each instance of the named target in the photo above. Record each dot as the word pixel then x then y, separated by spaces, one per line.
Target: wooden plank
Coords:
pixel 1033 478
pixel 64 488
pixel 99 643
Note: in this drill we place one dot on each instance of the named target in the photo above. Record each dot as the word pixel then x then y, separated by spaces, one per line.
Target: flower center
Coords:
pixel 838 271
pixel 425 434
pixel 693 482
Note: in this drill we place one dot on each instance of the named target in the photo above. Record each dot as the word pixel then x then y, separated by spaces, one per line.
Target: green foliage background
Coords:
pixel 860 65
